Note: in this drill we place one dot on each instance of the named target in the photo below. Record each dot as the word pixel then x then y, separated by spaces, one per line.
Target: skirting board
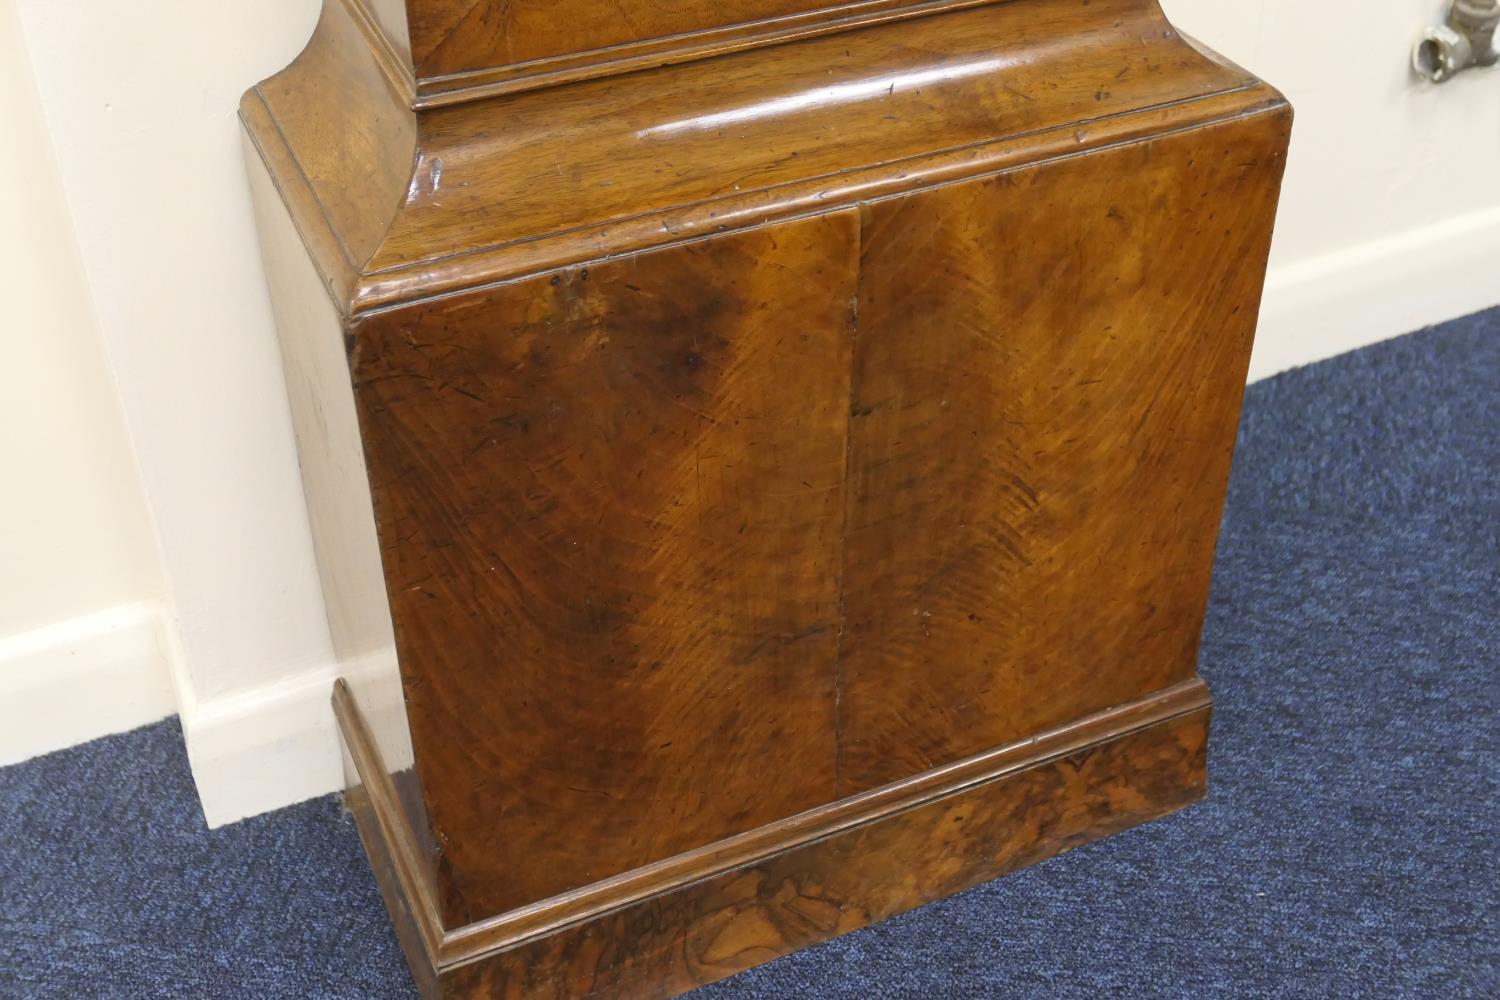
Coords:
pixel 266 749
pixel 82 678
pixel 1329 305
pixel 120 668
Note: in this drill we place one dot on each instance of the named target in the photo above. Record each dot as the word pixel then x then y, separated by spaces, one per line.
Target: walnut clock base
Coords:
pixel 765 464
pixel 710 913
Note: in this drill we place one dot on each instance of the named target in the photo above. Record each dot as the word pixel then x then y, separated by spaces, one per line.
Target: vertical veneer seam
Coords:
pixel 853 391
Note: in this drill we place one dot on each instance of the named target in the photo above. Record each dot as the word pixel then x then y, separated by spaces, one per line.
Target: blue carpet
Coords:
pixel 1348 847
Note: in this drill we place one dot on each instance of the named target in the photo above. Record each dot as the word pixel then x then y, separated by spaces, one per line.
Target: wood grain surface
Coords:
pixel 1046 390
pixel 795 469
pixel 724 925
pixel 731 908
pixel 734 529
pixel 457 197
pixel 455 36
pixel 451 51
pixel 610 504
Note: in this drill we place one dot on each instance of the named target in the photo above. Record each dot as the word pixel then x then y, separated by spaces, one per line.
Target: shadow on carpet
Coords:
pixel 1347 848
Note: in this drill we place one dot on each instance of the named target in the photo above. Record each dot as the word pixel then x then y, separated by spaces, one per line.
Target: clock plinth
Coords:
pixel 765 460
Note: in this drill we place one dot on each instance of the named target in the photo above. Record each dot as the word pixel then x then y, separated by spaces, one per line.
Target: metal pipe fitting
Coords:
pixel 1467 39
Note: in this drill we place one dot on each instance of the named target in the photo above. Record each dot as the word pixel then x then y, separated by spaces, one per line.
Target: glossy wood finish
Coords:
pixel 464 36
pixel 440 52
pixel 620 519
pixel 1044 413
pixel 740 919
pixel 397 206
pixel 696 918
pixel 794 472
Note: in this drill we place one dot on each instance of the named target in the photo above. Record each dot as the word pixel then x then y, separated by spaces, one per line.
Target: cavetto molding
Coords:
pixel 421 92
pixel 392 232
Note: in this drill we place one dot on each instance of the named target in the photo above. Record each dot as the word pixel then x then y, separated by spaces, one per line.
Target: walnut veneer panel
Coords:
pixel 452 36
pixel 610 503
pixel 1044 413
pixel 450 51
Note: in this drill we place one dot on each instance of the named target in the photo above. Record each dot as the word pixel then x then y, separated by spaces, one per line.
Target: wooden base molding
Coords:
pixel 708 914
pixel 764 457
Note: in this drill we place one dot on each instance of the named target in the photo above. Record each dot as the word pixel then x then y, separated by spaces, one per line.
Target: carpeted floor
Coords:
pixel 1348 847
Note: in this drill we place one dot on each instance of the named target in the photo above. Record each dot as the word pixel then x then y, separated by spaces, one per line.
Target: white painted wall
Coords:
pixel 1391 220
pixel 79 582
pixel 140 101
pixel 1390 217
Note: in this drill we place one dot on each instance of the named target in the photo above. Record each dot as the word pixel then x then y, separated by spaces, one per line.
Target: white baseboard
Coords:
pixel 1328 305
pixel 119 669
pixel 83 678
pixel 265 749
